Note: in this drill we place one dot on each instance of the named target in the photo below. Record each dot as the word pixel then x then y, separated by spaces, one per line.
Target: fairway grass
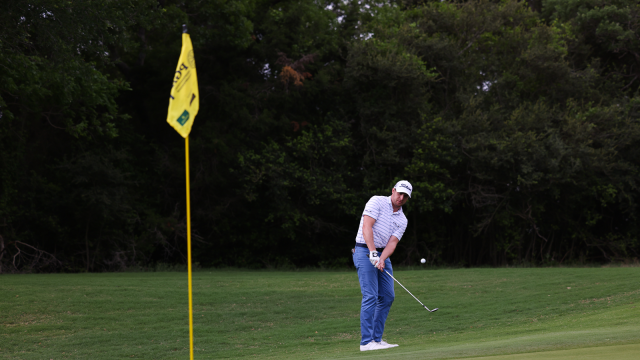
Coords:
pixel 548 313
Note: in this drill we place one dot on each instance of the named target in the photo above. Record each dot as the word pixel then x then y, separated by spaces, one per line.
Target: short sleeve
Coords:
pixel 399 230
pixel 372 209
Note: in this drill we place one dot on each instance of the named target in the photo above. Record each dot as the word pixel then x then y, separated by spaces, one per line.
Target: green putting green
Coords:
pixel 617 352
pixel 532 347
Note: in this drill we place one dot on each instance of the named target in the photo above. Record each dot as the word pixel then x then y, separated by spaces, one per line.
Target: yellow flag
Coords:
pixel 185 99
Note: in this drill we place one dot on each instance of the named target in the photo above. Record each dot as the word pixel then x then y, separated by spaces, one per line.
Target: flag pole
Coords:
pixel 186 148
pixel 184 103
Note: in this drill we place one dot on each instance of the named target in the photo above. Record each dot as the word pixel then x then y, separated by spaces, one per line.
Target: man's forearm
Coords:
pixel 368 238
pixel 388 250
pixel 367 232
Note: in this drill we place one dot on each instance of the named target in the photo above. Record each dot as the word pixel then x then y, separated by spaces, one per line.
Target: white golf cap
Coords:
pixel 404 186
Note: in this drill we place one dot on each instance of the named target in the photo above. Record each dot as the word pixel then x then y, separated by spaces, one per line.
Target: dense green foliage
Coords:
pixel 314 314
pixel 517 127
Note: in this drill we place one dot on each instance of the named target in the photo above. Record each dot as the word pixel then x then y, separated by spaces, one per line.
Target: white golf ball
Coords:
pixel 423 261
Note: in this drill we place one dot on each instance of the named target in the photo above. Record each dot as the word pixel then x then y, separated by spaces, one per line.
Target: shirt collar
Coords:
pixel 393 212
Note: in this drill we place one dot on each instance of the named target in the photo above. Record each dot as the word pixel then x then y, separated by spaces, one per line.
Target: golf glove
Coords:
pixel 373 257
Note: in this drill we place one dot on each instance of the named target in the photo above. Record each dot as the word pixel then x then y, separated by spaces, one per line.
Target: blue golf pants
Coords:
pixel 377 295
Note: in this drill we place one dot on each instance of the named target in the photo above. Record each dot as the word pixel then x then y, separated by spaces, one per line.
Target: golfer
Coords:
pixel 381 227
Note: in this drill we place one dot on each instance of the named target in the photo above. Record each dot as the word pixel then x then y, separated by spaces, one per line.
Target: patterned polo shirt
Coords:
pixel 387 223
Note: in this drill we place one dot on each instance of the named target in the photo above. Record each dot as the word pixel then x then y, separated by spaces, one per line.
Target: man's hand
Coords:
pixel 373 257
pixel 388 250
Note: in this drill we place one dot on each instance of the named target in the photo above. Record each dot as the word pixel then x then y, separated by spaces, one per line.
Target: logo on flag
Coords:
pixel 183 118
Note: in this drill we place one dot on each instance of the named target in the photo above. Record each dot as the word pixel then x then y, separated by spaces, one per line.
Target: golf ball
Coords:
pixel 423 261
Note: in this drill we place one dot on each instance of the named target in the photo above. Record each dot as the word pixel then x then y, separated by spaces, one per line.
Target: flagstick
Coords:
pixel 186 147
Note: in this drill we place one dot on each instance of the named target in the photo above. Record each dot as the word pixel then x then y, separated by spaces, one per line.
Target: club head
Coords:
pixel 434 310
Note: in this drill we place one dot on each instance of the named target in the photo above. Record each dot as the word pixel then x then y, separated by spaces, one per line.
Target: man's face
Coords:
pixel 398 198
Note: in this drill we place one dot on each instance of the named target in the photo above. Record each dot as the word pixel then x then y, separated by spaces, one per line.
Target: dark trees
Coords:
pixel 520 135
pixel 518 129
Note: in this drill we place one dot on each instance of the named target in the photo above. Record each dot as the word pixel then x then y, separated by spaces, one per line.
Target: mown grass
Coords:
pixel 314 314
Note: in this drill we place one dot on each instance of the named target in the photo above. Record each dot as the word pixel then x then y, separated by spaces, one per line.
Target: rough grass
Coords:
pixel 237 314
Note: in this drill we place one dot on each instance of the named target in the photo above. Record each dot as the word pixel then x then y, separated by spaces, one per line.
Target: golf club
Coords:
pixel 423 305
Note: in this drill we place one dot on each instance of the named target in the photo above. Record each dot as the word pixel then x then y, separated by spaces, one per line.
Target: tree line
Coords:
pixel 516 122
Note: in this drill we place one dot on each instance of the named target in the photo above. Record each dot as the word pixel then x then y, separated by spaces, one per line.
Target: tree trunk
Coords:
pixel 535 5
pixel 1 252
pixel 86 243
